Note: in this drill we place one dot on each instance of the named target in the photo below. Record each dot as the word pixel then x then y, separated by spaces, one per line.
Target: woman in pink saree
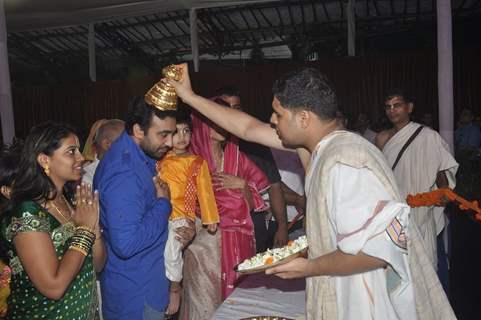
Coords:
pixel 209 262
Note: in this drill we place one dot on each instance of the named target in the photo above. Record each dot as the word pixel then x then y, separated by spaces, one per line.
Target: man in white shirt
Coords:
pixel 106 134
pixel 292 176
pixel 361 263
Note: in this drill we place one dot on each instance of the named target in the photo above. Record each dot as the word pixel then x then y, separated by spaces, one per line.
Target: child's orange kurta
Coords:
pixel 190 183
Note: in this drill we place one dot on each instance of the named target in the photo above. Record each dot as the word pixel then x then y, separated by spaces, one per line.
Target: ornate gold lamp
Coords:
pixel 162 95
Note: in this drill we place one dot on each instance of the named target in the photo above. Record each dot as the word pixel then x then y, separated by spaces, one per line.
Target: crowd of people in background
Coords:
pixel 467 126
pixel 151 218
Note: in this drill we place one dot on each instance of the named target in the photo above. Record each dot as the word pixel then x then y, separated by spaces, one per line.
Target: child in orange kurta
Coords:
pixel 190 187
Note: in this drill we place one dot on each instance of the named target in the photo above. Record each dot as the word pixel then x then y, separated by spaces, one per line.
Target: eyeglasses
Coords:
pixel 396 106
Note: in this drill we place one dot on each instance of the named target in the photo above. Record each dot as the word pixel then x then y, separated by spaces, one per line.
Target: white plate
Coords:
pixel 277 263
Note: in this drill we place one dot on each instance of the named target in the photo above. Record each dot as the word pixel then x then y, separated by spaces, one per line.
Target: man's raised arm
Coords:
pixel 236 122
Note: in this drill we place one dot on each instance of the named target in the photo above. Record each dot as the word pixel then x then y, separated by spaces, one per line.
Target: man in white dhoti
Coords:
pixel 424 165
pixel 364 261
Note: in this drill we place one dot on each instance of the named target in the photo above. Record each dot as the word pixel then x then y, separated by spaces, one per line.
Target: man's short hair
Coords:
pixel 230 91
pixel 309 89
pixel 397 92
pixel 107 129
pixel 142 113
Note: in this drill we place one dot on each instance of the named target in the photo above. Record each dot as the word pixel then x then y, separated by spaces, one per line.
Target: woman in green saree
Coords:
pixel 55 249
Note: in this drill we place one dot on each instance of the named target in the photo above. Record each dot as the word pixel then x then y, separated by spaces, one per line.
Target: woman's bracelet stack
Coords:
pixel 83 240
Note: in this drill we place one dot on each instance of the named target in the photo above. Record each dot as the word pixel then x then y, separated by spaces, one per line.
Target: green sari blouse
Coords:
pixel 25 301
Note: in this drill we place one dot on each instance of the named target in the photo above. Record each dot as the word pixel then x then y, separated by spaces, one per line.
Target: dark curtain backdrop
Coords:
pixel 360 83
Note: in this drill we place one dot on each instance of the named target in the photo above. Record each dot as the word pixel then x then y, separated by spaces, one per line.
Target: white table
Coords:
pixel 262 295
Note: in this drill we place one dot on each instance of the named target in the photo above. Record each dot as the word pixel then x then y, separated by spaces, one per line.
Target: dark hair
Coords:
pixel 142 113
pixel 221 102
pixel 31 182
pixel 229 90
pixel 397 92
pixel 9 158
pixel 307 88
pixel 183 117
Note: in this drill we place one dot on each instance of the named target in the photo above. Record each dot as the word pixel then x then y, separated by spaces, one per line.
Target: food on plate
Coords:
pixel 271 256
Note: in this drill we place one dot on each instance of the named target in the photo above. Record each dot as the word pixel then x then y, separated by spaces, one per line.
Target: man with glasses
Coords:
pixel 421 161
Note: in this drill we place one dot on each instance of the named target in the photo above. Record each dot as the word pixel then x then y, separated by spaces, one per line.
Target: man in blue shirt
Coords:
pixel 468 135
pixel 135 209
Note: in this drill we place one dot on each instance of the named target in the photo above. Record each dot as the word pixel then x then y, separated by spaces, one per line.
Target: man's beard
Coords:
pixel 154 153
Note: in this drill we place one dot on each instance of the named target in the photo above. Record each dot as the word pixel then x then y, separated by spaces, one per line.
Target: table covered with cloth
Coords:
pixel 263 295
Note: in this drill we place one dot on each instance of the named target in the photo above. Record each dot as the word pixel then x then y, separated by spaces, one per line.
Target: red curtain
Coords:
pixel 360 83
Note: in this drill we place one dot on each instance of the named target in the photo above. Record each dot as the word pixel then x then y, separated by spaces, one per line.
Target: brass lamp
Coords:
pixel 162 95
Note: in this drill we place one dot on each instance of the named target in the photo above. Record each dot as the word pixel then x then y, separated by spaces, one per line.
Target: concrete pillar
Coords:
pixel 6 107
pixel 194 40
pixel 351 27
pixel 92 61
pixel 445 70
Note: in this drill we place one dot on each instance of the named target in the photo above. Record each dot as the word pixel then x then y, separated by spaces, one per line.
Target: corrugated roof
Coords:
pixel 300 29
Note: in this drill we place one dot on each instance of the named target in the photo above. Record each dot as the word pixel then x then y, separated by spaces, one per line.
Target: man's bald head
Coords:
pixel 108 132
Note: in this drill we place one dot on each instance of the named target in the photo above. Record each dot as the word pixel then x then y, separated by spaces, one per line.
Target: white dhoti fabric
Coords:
pixel 374 223
pixel 353 205
pixel 416 172
pixel 173 259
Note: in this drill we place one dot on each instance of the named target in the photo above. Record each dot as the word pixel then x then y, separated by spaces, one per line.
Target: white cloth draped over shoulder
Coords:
pixel 353 205
pixel 416 172
pixel 359 221
pixel 366 221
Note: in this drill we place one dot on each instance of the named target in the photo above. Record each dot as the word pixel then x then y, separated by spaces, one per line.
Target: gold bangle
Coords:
pixel 83 240
pixel 86 236
pixel 83 232
pixel 82 251
pixel 84 227
pixel 82 244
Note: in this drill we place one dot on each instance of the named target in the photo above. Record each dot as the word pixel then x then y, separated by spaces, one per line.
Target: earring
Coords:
pixel 47 170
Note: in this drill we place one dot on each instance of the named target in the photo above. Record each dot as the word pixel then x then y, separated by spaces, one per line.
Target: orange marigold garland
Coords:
pixel 436 197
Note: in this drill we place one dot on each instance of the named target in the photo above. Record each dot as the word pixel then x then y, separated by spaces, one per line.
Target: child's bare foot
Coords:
pixel 174 302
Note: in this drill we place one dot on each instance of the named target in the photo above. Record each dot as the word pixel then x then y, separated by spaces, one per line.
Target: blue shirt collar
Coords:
pixel 136 149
